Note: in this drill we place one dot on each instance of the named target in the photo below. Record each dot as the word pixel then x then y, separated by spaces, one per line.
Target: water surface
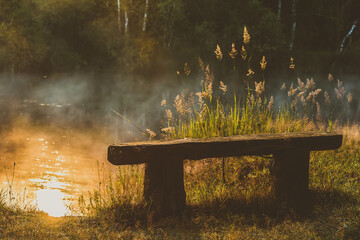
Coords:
pixel 50 167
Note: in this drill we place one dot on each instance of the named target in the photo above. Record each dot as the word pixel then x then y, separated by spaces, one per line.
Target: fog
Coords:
pixel 83 100
pixel 86 100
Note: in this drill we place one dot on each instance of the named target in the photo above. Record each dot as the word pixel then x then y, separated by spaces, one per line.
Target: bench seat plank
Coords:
pixel 196 149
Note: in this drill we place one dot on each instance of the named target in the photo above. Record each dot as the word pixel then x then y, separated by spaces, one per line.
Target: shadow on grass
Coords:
pixel 324 215
pixel 321 210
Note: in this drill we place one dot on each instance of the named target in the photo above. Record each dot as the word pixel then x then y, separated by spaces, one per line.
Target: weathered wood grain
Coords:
pixel 291 175
pixel 164 188
pixel 196 149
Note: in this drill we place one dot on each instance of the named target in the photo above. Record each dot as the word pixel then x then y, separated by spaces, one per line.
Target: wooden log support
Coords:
pixel 291 172
pixel 164 187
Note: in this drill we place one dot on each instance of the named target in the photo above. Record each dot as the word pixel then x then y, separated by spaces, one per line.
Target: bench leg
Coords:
pixel 164 187
pixel 291 172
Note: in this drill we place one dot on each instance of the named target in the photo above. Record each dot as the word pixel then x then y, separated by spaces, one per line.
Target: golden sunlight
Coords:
pixel 52 202
pixel 50 174
pixel 50 198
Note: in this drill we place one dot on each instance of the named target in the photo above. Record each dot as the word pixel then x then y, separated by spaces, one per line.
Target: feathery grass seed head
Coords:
pixel 201 64
pixel 317 92
pixel 271 103
pixel 233 52
pixel 330 77
pixel 263 63
pixel 283 87
pixel 151 133
pixel 338 94
pixel 303 100
pixel 301 85
pixel 243 53
pixel 218 53
pixel 310 84
pixel 246 36
pixel 163 103
pixel 340 91
pixel 292 64
pixel 200 96
pixel 327 98
pixel 169 114
pixel 252 99
pixel 179 106
pixel 259 88
pixel 168 129
pixel 292 91
pixel 223 87
pixel 187 69
pixel 349 97
pixel 312 95
pixel 250 72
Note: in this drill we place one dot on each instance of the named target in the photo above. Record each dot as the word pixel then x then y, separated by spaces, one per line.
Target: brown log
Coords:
pixel 196 149
pixel 164 187
pixel 291 172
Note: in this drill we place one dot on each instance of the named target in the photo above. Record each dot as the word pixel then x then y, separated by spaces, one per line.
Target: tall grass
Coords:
pixel 118 195
pixel 12 201
pixel 203 114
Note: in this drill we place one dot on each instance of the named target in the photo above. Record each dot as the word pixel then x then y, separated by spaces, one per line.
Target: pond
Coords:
pixel 50 167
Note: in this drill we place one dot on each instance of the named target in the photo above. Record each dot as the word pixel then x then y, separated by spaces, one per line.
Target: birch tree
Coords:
pixel 145 15
pixel 119 16
pixel 126 23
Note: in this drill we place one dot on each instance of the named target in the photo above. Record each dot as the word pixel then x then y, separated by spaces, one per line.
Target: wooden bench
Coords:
pixel 164 181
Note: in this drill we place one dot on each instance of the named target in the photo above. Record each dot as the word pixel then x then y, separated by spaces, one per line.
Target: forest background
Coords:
pixel 149 37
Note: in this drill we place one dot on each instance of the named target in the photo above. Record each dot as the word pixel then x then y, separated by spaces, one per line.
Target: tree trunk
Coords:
pixel 119 16
pixel 170 25
pixel 293 27
pixel 145 15
pixel 126 24
pixel 279 10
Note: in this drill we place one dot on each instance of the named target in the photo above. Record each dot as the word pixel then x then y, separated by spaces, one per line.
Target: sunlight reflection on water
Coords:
pixel 52 201
pixel 49 193
pixel 53 171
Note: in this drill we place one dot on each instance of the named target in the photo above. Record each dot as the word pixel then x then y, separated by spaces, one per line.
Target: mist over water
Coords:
pixel 83 100
pixel 86 100
pixel 55 133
